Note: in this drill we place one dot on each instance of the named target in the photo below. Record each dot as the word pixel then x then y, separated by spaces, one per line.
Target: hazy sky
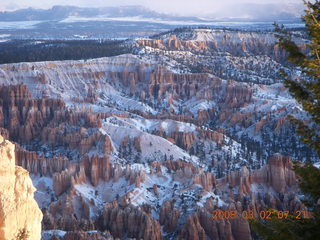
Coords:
pixel 168 6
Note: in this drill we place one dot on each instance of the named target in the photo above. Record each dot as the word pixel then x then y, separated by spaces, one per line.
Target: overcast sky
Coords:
pixel 181 7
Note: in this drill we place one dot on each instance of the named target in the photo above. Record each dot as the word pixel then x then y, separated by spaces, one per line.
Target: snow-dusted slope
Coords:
pixel 157 134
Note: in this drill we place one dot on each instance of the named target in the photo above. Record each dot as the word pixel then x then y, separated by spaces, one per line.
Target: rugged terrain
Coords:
pixel 146 145
pixel 17 202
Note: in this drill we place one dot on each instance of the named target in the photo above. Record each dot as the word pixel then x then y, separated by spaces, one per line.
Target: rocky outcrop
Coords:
pixel 169 216
pixel 206 180
pixel 260 190
pixel 183 139
pixel 241 179
pixel 159 83
pixel 77 138
pixel 260 125
pixel 205 115
pixel 201 226
pixel 27 119
pixel 193 229
pixel 178 166
pixel 94 168
pixel 130 222
pixel 70 213
pixel 241 189
pixel 281 122
pixel 203 40
pixel 23 116
pixel 18 209
pixel 137 143
pixel 97 168
pixel 39 164
pixel 240 229
pixel 242 119
pixel 65 180
pixel 137 79
pixel 237 95
pixel 278 173
pixel 214 136
pixel 185 86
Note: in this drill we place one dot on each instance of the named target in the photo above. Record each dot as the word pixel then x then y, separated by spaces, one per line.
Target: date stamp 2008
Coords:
pixel 233 214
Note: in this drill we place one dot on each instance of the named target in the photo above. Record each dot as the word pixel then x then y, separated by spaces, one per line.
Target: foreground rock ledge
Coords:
pixel 18 209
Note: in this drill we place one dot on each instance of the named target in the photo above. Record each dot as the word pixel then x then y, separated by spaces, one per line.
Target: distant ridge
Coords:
pixel 239 12
pixel 62 12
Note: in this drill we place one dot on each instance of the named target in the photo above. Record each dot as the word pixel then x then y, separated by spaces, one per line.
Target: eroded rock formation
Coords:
pixel 169 216
pixel 130 221
pixel 278 174
pixel 40 164
pixel 18 209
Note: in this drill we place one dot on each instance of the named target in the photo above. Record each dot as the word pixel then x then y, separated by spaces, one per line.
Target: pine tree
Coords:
pixel 307 92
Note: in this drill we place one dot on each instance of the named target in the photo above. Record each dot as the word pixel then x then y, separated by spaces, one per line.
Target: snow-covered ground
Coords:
pixel 139 141
pixel 152 147
pixel 19 25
